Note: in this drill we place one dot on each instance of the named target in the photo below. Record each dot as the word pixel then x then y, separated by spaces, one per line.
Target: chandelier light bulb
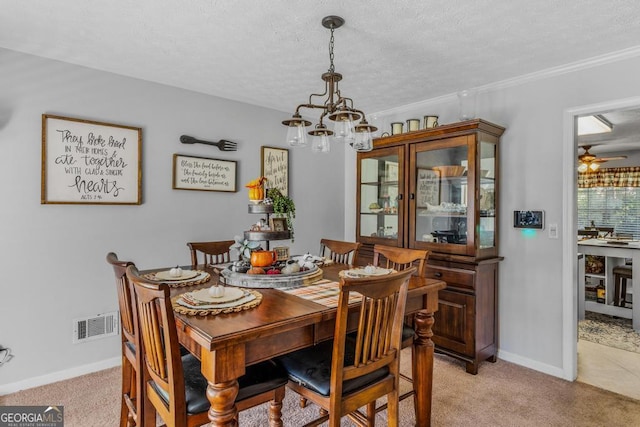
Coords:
pixel 296 136
pixel 321 144
pixel 343 131
pixel 363 141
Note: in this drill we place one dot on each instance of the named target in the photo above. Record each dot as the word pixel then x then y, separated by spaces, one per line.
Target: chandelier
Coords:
pixel 335 107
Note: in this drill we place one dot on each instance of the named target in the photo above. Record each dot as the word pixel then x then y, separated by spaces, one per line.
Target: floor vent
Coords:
pixel 95 327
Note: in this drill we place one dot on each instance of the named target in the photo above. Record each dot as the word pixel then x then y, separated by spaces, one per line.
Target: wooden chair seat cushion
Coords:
pixel 311 368
pixel 258 379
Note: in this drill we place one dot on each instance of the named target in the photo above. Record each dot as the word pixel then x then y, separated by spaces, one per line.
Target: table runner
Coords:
pixel 323 292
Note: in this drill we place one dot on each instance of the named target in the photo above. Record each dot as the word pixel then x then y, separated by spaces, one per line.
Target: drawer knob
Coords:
pixel 438 274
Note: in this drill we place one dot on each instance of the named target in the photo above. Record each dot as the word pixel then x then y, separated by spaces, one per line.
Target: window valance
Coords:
pixel 610 177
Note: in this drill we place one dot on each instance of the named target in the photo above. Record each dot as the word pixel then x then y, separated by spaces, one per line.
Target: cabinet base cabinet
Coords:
pixel 466 321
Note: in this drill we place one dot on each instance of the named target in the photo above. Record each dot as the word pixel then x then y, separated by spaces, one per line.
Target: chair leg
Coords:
pixel 128 391
pixel 371 414
pixel 393 409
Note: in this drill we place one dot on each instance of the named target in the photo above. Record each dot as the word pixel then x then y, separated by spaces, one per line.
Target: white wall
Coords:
pixel 53 256
pixel 531 109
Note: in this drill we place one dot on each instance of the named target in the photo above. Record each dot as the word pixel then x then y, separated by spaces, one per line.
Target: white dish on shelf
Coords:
pixel 376 210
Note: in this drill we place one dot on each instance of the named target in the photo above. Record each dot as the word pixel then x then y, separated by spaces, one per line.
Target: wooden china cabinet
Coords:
pixel 437 189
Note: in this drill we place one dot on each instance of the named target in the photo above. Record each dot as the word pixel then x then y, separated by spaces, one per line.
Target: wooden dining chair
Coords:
pixel 131 409
pixel 353 370
pixel 401 259
pixel 211 252
pixel 339 251
pixel 175 388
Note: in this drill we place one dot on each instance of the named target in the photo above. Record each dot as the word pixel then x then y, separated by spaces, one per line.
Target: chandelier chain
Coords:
pixel 331 67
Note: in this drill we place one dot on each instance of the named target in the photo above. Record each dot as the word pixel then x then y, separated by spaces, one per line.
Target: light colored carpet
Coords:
pixel 502 394
pixel 610 331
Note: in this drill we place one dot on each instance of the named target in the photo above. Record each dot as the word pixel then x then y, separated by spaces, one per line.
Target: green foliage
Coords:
pixel 283 205
pixel 244 247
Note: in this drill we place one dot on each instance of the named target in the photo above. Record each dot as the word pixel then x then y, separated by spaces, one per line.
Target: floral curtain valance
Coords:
pixel 610 177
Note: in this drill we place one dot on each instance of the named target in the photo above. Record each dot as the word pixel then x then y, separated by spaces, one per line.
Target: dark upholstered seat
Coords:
pixel 258 379
pixel 311 367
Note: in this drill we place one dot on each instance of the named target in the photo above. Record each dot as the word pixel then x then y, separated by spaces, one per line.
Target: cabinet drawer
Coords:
pixel 455 277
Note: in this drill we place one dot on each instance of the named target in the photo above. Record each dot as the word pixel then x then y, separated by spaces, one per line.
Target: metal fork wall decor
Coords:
pixel 223 144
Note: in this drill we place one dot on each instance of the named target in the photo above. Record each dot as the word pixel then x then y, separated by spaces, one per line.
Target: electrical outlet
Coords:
pixel 553 231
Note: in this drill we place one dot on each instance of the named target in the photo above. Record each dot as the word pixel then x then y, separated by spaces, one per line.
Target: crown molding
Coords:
pixel 571 67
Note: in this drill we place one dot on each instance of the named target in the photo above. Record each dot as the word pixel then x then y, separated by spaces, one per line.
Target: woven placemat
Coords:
pixel 202 277
pixel 213 311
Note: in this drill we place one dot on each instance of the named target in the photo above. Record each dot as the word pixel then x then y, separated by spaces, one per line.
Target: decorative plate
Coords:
pixel 186 275
pixel 230 294
pixel 360 272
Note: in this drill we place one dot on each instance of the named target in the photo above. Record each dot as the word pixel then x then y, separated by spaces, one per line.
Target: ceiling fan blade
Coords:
pixel 606 159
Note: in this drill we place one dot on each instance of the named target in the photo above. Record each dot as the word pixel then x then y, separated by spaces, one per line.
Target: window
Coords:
pixel 617 207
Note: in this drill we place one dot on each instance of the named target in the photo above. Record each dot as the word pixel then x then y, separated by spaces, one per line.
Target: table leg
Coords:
pixel 222 388
pixel 423 349
pixel 223 411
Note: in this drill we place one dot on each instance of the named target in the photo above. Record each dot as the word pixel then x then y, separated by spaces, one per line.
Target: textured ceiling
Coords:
pixel 272 53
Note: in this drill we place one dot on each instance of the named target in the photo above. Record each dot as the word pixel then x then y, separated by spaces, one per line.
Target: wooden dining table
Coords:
pixel 282 323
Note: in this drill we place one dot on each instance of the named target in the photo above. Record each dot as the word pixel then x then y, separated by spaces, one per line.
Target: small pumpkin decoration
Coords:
pixel 256 270
pixel 256 188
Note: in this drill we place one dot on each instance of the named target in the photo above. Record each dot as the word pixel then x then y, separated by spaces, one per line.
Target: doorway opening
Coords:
pixel 583 360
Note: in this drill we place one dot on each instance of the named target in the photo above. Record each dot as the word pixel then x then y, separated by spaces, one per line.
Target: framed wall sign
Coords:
pixel 427 188
pixel 204 174
pixel 88 162
pixel 275 167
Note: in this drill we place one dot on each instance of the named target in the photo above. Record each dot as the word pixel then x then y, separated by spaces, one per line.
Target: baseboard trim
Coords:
pixel 59 376
pixel 531 364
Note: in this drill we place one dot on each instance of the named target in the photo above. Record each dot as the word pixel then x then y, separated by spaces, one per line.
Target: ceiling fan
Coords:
pixel 590 162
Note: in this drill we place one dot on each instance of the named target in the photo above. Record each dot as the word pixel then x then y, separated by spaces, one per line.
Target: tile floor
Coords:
pixel 609 368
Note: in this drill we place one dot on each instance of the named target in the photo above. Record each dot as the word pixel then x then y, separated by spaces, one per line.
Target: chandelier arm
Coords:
pixel 310 106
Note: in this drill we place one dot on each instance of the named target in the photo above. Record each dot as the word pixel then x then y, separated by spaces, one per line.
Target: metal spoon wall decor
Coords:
pixel 223 144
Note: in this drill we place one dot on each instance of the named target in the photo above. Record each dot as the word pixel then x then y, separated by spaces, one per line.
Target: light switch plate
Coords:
pixel 553 231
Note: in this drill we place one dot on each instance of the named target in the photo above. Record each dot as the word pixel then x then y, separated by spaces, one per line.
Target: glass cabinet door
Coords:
pixel 487 196
pixel 453 196
pixel 380 196
pixel 441 196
